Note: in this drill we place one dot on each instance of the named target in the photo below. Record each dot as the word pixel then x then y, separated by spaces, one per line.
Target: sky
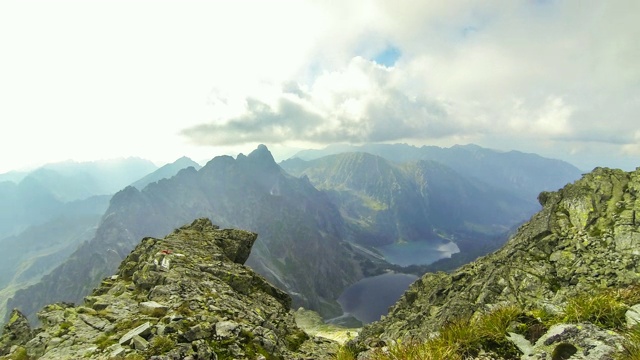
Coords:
pixel 88 80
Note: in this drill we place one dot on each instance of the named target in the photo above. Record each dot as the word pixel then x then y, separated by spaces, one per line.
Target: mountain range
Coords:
pixel 42 193
pixel 313 241
pixel 522 174
pixel 565 286
pixel 51 211
pixel 411 201
pixel 301 231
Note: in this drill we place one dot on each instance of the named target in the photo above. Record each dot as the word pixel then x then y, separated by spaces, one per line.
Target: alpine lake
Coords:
pixel 371 297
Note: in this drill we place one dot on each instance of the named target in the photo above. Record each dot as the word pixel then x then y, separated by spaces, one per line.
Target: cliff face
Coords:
pixel 185 296
pixel 586 237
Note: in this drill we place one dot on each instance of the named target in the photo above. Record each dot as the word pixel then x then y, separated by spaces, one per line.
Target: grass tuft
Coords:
pixel 346 352
pixel 631 345
pixel 19 354
pixel 602 309
pixel 458 339
pixel 463 338
pixel 160 345
pixel 104 341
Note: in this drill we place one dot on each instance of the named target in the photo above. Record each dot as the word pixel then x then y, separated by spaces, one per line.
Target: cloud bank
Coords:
pixel 359 104
pixel 99 79
pixel 564 75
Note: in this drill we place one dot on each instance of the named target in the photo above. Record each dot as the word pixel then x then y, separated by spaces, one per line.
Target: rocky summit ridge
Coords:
pixel 585 240
pixel 187 296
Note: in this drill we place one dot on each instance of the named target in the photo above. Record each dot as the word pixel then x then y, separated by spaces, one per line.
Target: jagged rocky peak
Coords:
pixel 186 296
pixel 586 239
pixel 261 152
pixel 262 159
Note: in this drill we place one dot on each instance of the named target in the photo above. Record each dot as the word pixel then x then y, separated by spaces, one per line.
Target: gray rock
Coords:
pixel 140 330
pixel 160 329
pixel 116 351
pixel 521 343
pixel 94 322
pixel 100 306
pixel 227 329
pixel 54 342
pixel 197 332
pixel 581 341
pixel 204 351
pixel 633 316
pixel 153 308
pixel 139 343
pixel 215 308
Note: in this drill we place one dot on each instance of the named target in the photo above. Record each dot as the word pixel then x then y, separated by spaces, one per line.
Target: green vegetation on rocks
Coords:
pixel 187 295
pixel 576 263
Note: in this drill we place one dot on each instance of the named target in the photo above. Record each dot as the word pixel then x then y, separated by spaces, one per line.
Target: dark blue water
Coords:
pixel 370 298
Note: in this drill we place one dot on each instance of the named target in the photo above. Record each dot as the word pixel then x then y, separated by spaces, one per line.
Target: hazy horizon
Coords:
pixel 279 154
pixel 160 80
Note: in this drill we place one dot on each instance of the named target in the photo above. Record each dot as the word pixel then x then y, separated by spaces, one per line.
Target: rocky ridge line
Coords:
pixel 586 237
pixel 186 296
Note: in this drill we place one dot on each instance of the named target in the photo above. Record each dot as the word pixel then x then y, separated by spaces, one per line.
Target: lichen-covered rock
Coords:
pixel 586 236
pixel 16 331
pixel 185 296
pixel 575 341
pixel 633 316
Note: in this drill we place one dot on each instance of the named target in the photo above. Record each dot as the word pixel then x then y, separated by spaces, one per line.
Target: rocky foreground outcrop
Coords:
pixel 586 237
pixel 186 296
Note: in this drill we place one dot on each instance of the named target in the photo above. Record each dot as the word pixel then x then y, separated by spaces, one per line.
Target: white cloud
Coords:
pixel 550 119
pixel 96 79
pixel 113 78
pixel 361 103
pixel 564 75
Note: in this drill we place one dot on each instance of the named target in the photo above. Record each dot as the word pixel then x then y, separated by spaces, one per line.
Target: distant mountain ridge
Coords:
pixel 522 174
pixel 78 180
pixel 386 202
pixel 38 249
pixel 42 193
pixel 166 172
pixel 13 176
pixel 54 209
pixel 300 247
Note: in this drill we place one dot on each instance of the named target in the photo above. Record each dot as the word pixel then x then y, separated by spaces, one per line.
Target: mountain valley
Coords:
pixel 189 295
pixel 49 212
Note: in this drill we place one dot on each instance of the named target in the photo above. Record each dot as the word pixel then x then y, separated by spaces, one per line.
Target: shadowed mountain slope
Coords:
pixel 385 202
pixel 300 248
pixel 524 175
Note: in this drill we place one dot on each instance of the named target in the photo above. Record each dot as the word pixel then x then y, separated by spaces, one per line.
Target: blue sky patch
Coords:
pixel 388 57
